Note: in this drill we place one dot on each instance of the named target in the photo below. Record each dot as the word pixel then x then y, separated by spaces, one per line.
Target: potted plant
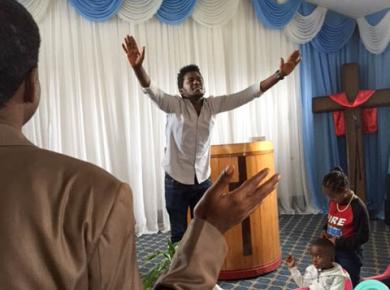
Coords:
pixel 165 258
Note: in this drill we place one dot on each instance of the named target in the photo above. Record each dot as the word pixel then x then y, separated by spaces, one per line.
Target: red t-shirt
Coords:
pixel 340 224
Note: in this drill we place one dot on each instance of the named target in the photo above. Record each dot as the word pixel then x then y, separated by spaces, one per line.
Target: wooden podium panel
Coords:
pixel 254 245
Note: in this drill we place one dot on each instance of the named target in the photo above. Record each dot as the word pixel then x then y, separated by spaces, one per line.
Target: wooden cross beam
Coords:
pixel 246 224
pixel 353 122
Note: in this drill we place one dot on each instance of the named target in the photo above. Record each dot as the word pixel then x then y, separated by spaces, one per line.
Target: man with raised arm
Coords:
pixel 68 224
pixel 190 120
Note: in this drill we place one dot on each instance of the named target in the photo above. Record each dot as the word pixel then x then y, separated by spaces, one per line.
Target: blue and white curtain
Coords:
pixel 321 76
pixel 300 21
pixel 327 40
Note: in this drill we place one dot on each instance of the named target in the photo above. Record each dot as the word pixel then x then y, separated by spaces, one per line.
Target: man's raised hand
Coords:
pixel 225 209
pixel 287 67
pixel 134 55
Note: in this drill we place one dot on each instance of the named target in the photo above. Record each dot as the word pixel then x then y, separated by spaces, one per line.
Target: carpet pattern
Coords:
pixel 296 231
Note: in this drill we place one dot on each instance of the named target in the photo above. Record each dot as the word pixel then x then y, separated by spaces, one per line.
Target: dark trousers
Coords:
pixel 351 261
pixel 387 199
pixel 178 198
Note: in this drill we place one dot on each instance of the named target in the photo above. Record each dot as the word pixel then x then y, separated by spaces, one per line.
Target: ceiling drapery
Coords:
pixel 300 21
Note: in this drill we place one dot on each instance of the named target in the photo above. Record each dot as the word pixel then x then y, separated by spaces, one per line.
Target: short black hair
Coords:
pixel 19 47
pixel 325 244
pixel 183 71
pixel 336 180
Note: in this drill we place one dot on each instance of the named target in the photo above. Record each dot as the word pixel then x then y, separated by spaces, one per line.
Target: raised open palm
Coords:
pixel 287 67
pixel 134 55
pixel 290 261
pixel 225 209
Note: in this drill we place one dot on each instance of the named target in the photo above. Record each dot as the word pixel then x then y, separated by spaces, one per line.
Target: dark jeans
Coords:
pixel 351 261
pixel 178 198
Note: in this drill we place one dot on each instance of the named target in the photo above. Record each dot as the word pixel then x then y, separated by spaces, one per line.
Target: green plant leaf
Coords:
pixel 162 266
pixel 154 255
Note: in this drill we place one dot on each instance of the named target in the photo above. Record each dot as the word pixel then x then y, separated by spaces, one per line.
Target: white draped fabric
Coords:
pixel 375 38
pixel 300 30
pixel 93 108
pixel 139 11
pixel 303 29
pixel 214 13
pixel 38 8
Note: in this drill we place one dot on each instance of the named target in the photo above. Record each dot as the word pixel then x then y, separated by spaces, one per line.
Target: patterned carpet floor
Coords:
pixel 296 231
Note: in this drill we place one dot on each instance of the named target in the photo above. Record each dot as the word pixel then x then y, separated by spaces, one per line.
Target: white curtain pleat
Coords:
pixel 375 38
pixel 37 8
pixel 300 30
pixel 93 108
pixel 303 29
pixel 139 11
pixel 214 13
pixel 252 53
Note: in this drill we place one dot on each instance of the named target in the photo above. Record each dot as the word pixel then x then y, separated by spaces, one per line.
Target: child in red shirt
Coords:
pixel 348 223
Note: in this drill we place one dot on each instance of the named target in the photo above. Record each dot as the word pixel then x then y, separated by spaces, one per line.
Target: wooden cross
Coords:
pixel 246 224
pixel 353 122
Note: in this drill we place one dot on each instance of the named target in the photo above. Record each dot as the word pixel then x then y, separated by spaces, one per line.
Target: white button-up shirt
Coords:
pixel 188 135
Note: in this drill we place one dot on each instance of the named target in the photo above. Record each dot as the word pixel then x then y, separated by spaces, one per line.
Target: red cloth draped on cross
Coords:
pixel 369 115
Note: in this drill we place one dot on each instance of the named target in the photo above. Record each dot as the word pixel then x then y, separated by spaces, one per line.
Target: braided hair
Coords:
pixel 336 180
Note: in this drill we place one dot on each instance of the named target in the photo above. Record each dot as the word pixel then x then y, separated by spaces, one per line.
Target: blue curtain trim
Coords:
pixel 273 14
pixel 97 10
pixel 336 31
pixel 175 11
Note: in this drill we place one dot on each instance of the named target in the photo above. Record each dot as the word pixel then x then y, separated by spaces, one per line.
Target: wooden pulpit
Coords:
pixel 254 245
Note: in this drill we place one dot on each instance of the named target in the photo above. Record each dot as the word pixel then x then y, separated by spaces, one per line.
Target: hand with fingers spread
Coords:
pixel 287 67
pixel 290 261
pixel 134 55
pixel 225 209
pixel 136 58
